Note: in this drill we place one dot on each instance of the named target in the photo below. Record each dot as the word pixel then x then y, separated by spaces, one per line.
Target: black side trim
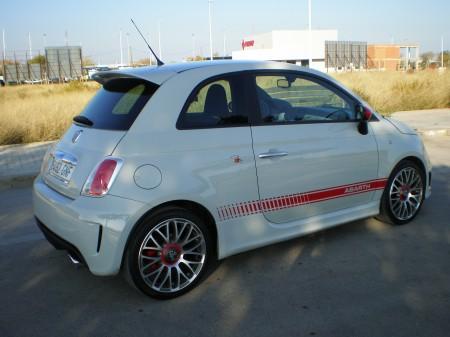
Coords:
pixel 100 233
pixel 60 243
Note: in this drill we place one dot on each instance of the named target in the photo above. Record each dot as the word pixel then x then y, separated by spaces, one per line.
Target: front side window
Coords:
pixel 214 104
pixel 290 98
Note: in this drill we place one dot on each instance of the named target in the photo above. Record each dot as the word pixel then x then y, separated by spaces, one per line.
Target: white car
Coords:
pixel 169 168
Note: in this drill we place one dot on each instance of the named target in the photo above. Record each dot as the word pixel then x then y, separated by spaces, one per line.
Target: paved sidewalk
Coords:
pixel 427 122
pixel 19 164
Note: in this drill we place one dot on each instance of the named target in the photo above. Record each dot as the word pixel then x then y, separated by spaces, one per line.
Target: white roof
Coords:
pixel 159 75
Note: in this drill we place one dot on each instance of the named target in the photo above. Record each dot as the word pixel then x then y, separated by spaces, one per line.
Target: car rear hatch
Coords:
pixel 95 133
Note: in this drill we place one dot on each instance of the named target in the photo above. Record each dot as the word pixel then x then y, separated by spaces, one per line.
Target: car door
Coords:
pixel 310 158
pixel 216 145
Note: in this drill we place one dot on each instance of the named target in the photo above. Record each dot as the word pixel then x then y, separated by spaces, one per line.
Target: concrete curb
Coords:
pixel 20 163
pixel 428 123
pixel 434 133
pixel 17 181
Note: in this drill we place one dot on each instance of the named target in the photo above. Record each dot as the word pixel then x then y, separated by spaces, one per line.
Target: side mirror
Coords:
pixel 283 83
pixel 365 115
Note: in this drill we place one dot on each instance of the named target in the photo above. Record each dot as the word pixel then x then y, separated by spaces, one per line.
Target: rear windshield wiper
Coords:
pixel 83 120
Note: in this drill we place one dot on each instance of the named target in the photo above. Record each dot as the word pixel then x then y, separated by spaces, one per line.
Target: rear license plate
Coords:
pixel 61 169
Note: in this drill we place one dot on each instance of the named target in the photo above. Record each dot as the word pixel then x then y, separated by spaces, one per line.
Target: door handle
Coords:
pixel 272 154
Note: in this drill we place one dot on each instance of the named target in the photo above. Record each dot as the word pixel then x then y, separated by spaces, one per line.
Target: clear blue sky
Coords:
pixel 96 24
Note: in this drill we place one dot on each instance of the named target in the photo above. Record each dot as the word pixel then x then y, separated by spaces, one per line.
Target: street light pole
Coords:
pixel 210 31
pixel 224 44
pixel 128 48
pixel 4 45
pixel 29 44
pixel 121 49
pixel 159 39
pixel 151 54
pixel 193 47
pixel 309 35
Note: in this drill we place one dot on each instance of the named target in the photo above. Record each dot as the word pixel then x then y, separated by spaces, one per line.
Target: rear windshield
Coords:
pixel 117 104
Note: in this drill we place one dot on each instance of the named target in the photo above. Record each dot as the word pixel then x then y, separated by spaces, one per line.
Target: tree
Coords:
pixel 10 62
pixel 196 58
pixel 38 59
pixel 6 62
pixel 144 61
pixel 87 61
pixel 447 58
pixel 426 59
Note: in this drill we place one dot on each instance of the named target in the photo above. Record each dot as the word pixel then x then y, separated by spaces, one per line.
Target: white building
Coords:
pixel 287 45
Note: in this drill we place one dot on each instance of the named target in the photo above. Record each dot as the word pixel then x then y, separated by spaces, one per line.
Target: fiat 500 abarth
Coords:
pixel 170 168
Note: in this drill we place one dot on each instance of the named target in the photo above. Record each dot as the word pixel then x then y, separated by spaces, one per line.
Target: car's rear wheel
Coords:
pixel 404 194
pixel 169 253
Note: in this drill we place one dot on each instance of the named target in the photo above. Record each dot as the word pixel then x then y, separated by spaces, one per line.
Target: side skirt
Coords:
pixel 254 231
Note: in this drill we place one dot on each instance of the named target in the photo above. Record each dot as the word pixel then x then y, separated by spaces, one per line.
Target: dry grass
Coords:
pixel 388 92
pixel 44 112
pixel 40 112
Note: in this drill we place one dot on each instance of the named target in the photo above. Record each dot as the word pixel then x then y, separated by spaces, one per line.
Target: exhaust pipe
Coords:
pixel 74 260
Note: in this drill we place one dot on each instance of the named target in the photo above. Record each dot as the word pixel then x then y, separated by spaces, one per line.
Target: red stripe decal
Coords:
pixel 294 200
pixel 241 210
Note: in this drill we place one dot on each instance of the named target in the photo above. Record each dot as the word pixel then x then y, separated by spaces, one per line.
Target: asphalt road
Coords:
pixel 364 278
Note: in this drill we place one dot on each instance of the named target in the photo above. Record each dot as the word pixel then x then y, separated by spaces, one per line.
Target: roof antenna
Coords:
pixel 158 61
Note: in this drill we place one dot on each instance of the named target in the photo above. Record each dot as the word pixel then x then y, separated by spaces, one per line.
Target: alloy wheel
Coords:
pixel 172 255
pixel 406 193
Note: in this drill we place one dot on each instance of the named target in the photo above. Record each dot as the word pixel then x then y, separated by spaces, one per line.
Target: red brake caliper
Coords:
pixel 152 253
pixel 404 190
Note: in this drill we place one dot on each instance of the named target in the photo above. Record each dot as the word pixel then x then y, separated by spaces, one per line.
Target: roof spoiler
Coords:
pixel 104 76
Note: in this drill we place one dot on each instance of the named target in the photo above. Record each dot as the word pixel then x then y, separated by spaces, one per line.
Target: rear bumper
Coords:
pixel 93 230
pixel 60 243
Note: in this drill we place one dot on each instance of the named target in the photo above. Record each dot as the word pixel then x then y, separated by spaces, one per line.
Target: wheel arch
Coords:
pixel 196 207
pixel 385 214
pixel 416 160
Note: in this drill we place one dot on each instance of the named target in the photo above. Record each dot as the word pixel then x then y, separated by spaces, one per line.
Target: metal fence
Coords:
pixel 23 73
pixel 345 55
pixel 56 64
pixel 63 63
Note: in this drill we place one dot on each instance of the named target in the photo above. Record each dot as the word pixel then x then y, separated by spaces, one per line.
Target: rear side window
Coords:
pixel 216 103
pixel 118 103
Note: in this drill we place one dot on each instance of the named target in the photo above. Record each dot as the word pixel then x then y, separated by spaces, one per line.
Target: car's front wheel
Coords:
pixel 169 253
pixel 404 194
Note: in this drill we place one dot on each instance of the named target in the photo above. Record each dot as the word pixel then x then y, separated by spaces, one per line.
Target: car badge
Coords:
pixel 76 136
pixel 236 159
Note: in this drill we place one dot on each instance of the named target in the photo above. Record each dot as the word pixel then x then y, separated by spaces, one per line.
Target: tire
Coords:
pixel 169 253
pixel 404 194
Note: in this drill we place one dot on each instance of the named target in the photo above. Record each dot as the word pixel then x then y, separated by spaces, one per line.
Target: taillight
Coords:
pixel 102 177
pixel 45 161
